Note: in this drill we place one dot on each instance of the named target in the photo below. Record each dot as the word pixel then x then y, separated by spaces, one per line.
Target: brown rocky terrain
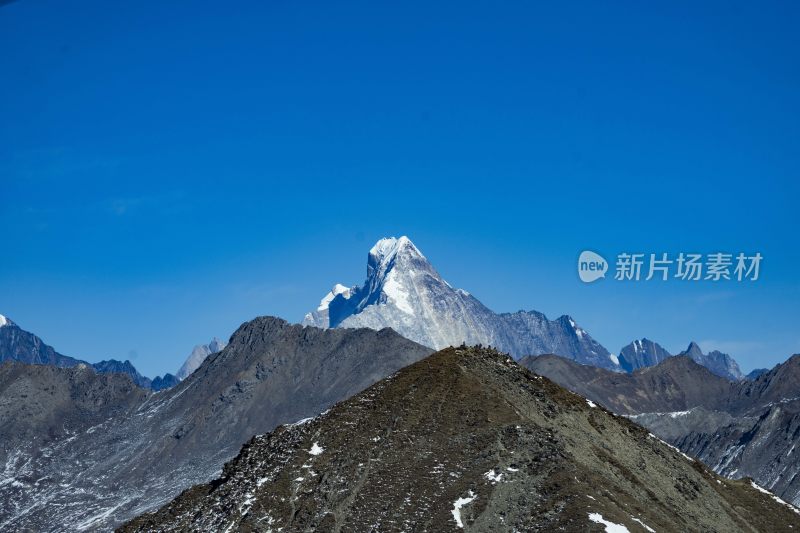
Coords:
pixel 467 438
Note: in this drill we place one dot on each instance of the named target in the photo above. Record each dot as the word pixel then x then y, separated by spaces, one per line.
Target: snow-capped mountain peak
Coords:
pixel 404 291
pixel 382 256
pixel 3 321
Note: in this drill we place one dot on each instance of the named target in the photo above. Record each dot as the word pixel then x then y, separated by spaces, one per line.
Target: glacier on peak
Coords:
pixel 404 291
pixel 335 291
pixel 319 318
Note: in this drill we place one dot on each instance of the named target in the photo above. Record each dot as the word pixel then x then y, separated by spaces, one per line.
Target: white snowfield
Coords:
pixel 458 504
pixel 611 527
pixel 316 449
pixel 3 321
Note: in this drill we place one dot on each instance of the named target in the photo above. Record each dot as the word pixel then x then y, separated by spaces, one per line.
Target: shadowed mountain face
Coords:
pixel 742 428
pixel 641 354
pixel 129 462
pixel 16 344
pixel 41 403
pixel 467 439
pixel 755 373
pixel 404 291
pixel 677 384
pixel 112 366
pixel 719 363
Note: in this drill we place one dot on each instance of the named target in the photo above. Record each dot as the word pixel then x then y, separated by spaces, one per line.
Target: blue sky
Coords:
pixel 171 170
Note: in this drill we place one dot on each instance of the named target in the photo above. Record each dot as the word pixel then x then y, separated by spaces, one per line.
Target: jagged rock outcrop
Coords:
pixel 719 363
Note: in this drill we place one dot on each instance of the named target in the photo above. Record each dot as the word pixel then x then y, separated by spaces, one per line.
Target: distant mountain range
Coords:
pixel 467 439
pixel 136 449
pixel 739 428
pixel 644 353
pixel 19 345
pixel 404 291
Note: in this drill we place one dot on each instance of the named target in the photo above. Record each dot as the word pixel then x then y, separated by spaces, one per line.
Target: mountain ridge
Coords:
pixel 466 438
pixel 739 428
pixel 271 372
pixel 17 344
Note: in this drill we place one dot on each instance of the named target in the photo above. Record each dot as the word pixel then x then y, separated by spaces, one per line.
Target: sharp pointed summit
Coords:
pixel 719 363
pixel 405 292
pixel 198 355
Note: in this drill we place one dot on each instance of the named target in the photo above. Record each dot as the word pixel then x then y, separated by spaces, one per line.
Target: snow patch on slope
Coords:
pixel 316 449
pixel 611 527
pixel 395 290
pixel 777 499
pixel 458 504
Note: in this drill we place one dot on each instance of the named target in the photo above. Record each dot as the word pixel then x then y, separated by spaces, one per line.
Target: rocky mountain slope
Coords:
pixel 467 439
pixel 676 384
pixel 405 292
pixel 130 461
pixel 42 403
pixel 741 428
pixel 756 372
